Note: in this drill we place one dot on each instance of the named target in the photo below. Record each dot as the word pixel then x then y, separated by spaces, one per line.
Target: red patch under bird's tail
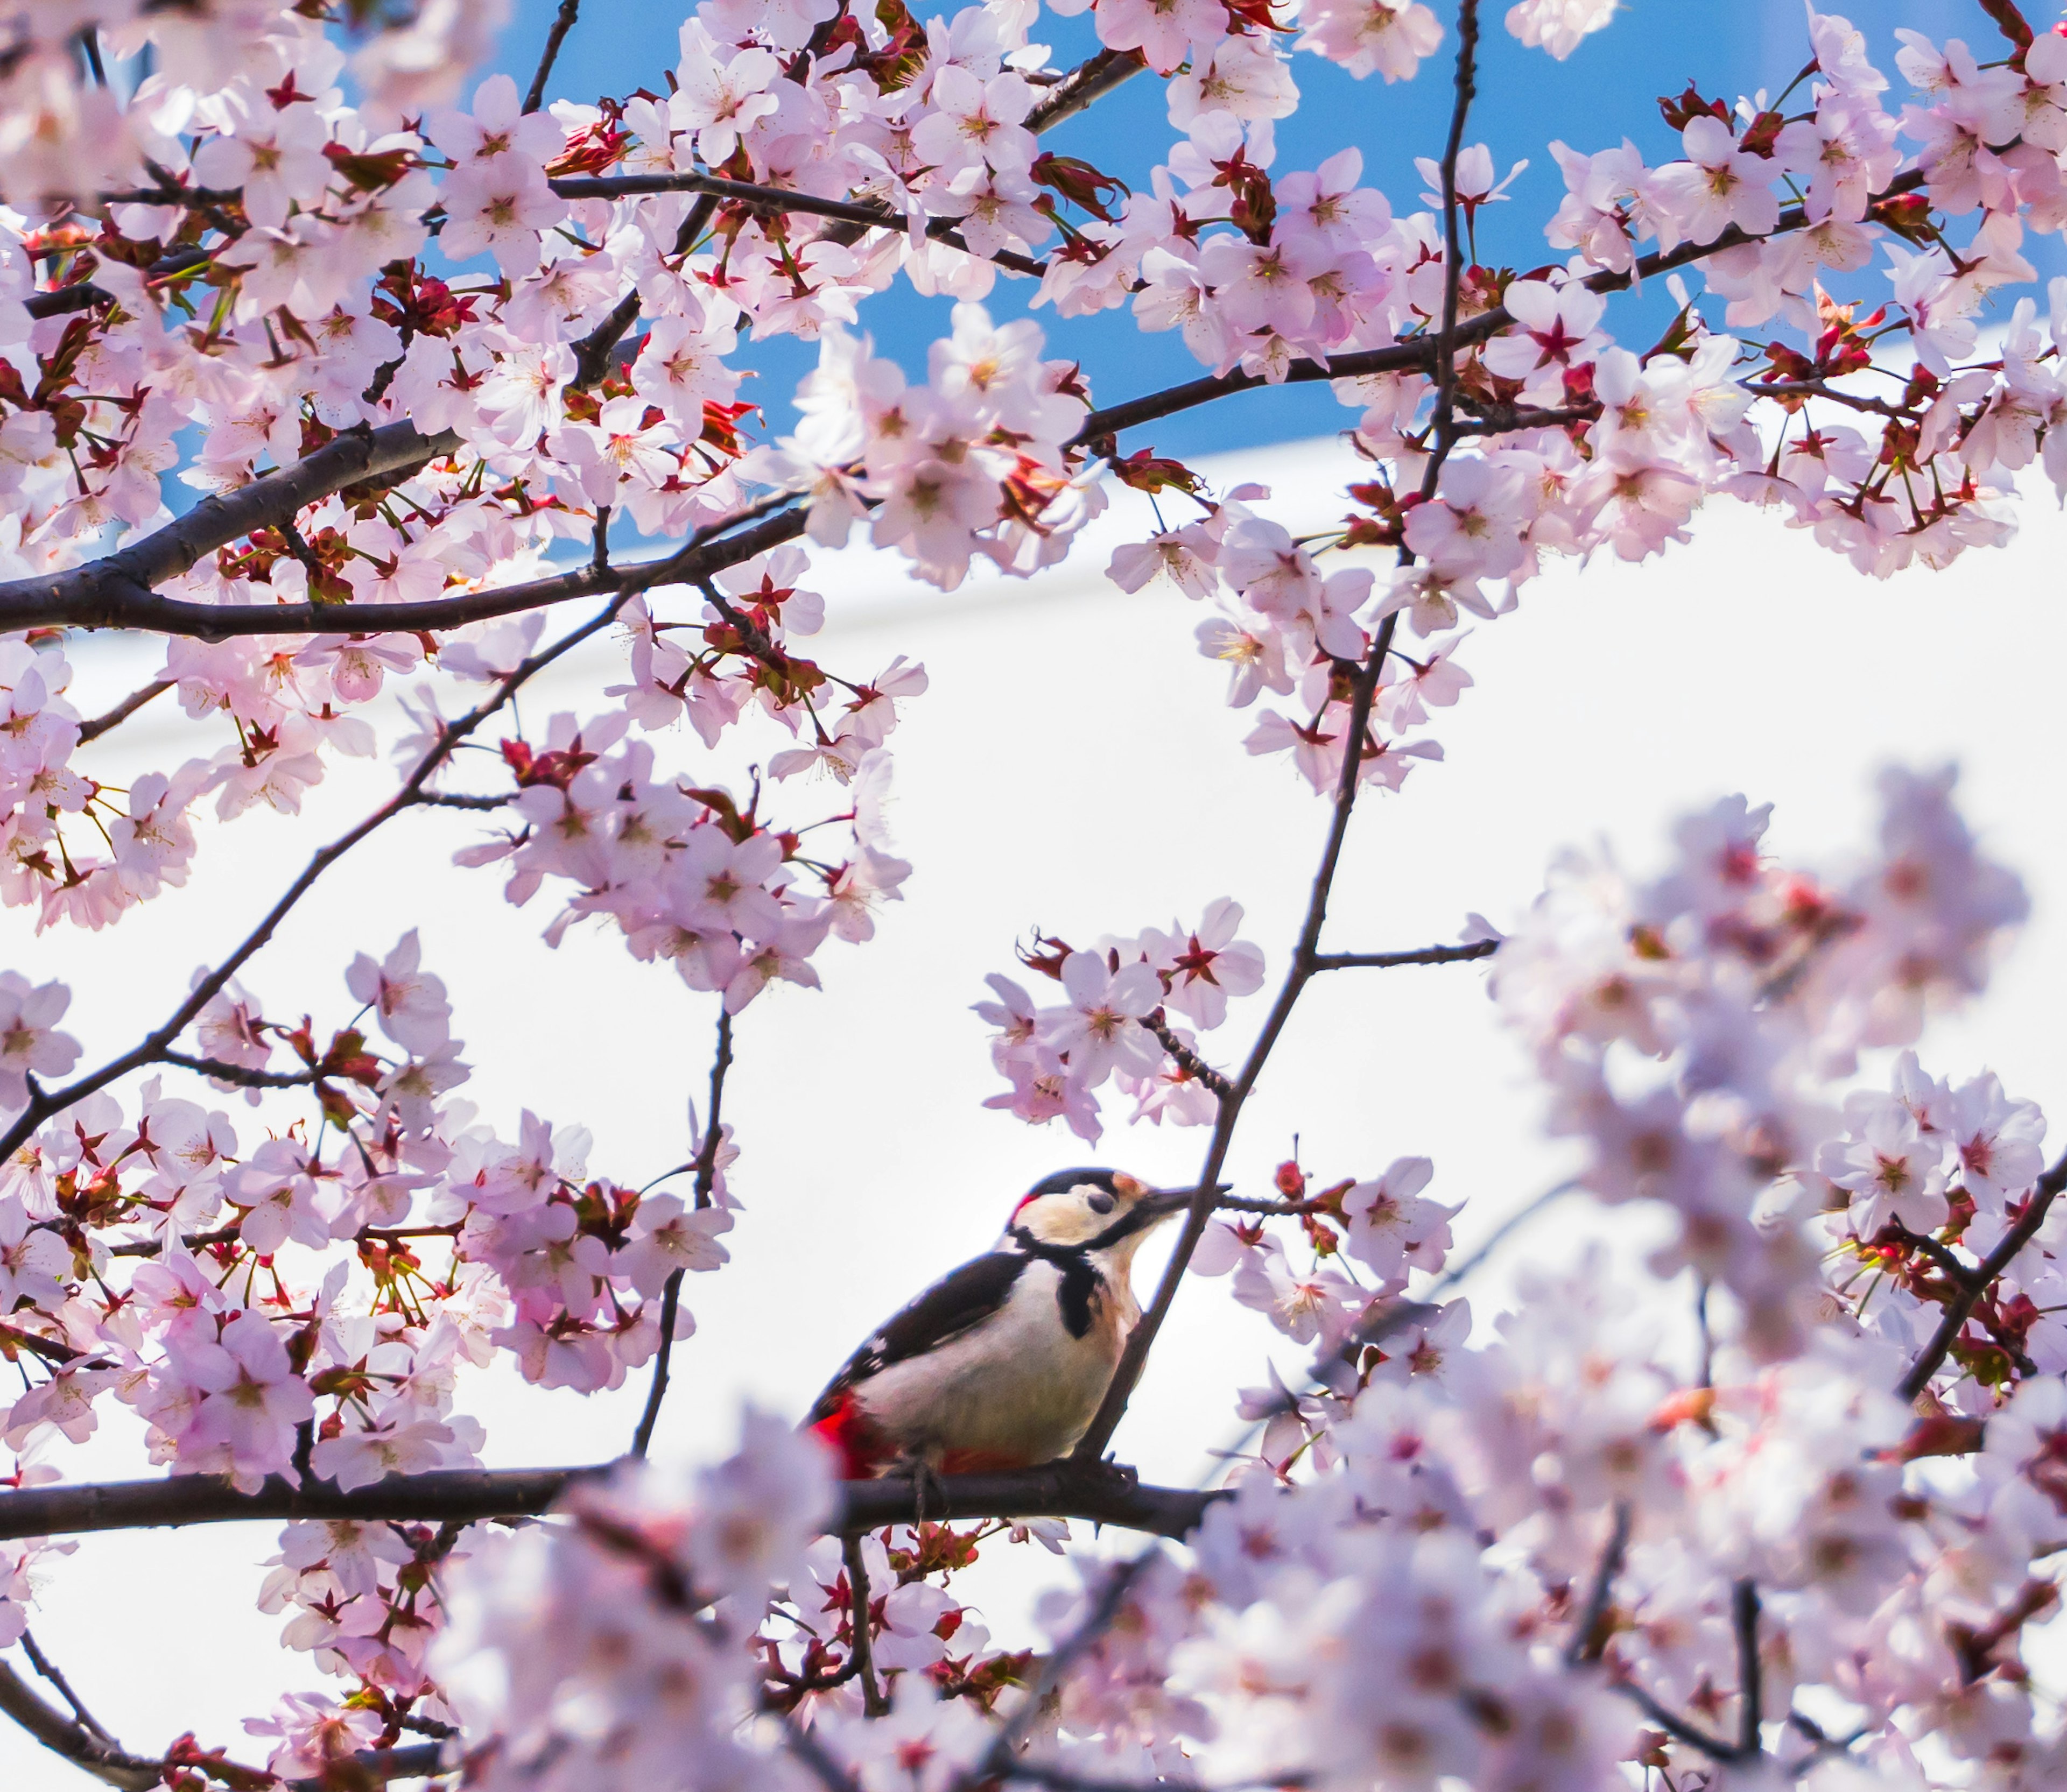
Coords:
pixel 846 1432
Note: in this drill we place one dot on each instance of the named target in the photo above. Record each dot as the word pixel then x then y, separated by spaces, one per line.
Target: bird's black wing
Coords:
pixel 961 1300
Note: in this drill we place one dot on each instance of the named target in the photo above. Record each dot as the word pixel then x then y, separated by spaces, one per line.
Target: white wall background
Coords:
pixel 1072 767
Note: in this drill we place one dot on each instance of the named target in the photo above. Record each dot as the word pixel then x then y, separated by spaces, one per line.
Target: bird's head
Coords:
pixel 1100 1209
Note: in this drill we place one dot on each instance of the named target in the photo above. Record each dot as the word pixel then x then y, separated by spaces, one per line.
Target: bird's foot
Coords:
pixel 928 1490
pixel 1107 1469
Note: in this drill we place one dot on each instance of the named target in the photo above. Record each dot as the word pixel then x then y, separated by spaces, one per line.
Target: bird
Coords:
pixel 1002 1362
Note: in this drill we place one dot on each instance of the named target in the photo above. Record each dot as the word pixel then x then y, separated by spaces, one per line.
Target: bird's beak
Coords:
pixel 1161 1203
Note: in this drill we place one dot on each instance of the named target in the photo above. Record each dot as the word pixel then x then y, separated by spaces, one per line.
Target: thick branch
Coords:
pixel 1060 1490
pixel 1090 80
pixel 115 591
pixel 96 595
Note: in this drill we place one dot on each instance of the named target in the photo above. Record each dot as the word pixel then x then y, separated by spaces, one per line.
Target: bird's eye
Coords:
pixel 1100 1203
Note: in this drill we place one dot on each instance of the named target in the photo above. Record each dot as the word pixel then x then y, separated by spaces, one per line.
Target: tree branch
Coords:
pixel 1590 1638
pixel 1426 954
pixel 1141 1339
pixel 569 10
pixel 1677 1728
pixel 1186 1059
pixel 1420 352
pixel 123 711
pixel 1751 1676
pixel 51 1671
pixel 861 1635
pixel 999 1757
pixel 671 1296
pixel 66 1736
pixel 1961 1306
pixel 1060 1490
pixel 1090 80
pixel 237 1074
pixel 115 591
pixel 44 1102
pixel 780 199
pixel 99 595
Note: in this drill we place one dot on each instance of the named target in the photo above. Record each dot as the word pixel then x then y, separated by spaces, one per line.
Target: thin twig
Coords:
pixel 1961 1306
pixel 44 1103
pixel 1426 954
pixel 65 1736
pixel 569 10
pixel 51 1671
pixel 123 711
pixel 1675 1727
pixel 1750 1678
pixel 671 1294
pixel 1004 1745
pixel 1420 353
pixel 1589 1635
pixel 778 200
pixel 237 1073
pixel 861 1642
pixel 1188 1060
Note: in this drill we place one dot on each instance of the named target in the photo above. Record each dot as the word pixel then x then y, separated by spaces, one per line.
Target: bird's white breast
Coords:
pixel 1017 1385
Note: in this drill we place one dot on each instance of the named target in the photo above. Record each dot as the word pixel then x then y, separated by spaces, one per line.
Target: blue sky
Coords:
pixel 1604 92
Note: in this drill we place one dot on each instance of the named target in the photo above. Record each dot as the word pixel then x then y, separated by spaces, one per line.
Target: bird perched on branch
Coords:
pixel 1002 1362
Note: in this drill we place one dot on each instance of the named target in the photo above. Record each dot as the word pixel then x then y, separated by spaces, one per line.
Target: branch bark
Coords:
pixel 1090 80
pixel 1960 1307
pixel 109 594
pixel 569 11
pixel 780 199
pixel 1059 1489
pixel 66 1737
pixel 115 591
pixel 1426 954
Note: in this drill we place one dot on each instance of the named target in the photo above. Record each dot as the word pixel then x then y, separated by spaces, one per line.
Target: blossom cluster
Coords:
pixel 1689 1029
pixel 1115 1025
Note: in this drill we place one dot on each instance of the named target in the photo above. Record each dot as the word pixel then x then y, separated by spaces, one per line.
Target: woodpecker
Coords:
pixel 1002 1362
